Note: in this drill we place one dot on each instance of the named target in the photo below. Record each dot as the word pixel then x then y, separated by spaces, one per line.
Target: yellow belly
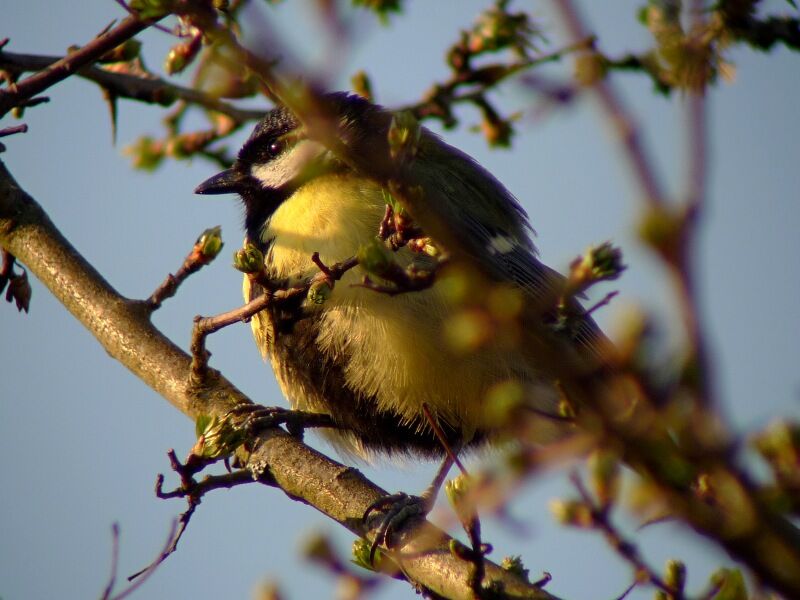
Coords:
pixel 392 348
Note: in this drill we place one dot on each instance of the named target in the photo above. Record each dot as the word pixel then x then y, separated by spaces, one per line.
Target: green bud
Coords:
pixel 459 550
pixel 375 258
pixel 362 85
pixel 248 259
pixel 590 67
pixel 675 574
pixel 147 153
pixel 607 261
pixel 779 446
pixel 603 262
pixel 317 548
pixel 217 437
pixel 497 131
pixel 202 423
pixel 729 584
pixel 572 512
pixel 513 564
pixel 404 135
pixel 458 492
pixel 210 242
pixel 319 291
pixel 151 9
pixel 604 475
pixel 126 51
pixel 181 55
pixel 661 229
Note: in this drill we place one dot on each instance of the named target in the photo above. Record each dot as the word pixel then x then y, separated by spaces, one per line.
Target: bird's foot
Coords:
pixel 257 418
pixel 398 509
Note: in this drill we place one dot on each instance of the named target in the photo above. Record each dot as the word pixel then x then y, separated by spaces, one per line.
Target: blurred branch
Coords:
pixel 599 518
pixel 692 461
pixel 109 589
pixel 439 100
pixel 740 19
pixel 124 329
pixel 694 202
pixel 619 117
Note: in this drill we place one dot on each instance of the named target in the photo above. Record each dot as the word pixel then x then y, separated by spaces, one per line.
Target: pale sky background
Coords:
pixel 81 439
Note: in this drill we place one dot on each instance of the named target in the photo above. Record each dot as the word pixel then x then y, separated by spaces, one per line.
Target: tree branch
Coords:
pixel 63 68
pixel 152 90
pixel 124 329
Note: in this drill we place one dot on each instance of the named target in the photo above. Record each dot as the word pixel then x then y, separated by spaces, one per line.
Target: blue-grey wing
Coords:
pixel 491 227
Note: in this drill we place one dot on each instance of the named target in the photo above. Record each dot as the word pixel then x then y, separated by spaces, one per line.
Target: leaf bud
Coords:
pixel 248 259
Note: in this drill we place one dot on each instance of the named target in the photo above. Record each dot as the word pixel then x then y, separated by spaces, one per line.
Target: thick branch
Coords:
pixel 123 327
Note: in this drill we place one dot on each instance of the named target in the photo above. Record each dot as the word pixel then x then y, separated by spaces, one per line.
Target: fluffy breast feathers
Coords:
pixel 392 348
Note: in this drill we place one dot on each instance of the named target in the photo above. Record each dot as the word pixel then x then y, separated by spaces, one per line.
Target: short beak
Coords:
pixel 229 181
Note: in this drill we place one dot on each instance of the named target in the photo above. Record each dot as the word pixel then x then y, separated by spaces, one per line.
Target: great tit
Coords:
pixel 374 361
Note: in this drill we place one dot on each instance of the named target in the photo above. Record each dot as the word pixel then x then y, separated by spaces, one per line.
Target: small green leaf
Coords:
pixel 730 585
pixel 361 551
pixel 201 424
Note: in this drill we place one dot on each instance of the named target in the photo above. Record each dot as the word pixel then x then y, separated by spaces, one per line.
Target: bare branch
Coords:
pixel 203 252
pixel 123 328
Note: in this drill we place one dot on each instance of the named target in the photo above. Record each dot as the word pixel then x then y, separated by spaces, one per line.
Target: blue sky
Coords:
pixel 81 439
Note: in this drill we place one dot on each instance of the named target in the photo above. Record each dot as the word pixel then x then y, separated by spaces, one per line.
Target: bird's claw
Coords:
pixel 399 508
pixel 257 418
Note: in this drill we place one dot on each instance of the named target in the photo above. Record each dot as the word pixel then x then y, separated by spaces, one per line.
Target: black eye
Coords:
pixel 275 148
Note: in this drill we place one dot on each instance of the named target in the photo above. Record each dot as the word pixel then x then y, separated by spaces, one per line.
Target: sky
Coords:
pixel 81 439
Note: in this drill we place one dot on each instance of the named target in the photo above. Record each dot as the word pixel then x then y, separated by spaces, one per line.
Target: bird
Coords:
pixel 380 364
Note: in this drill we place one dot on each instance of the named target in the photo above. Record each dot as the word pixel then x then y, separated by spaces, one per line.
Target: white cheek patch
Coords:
pixel 501 244
pixel 287 166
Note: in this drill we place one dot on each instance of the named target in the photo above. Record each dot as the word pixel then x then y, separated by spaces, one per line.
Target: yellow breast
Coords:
pixel 393 347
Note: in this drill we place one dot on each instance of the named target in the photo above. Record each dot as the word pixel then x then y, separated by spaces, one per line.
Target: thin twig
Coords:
pixel 145 574
pixel 23 128
pixel 605 301
pixel 112 579
pixel 193 491
pixel 194 261
pixel 204 326
pixel 697 173
pixel 626 549
pixel 446 92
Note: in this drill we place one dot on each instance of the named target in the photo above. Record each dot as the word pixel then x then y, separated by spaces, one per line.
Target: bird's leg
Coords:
pixel 401 507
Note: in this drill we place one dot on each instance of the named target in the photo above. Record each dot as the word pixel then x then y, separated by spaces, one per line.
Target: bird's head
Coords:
pixel 276 160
